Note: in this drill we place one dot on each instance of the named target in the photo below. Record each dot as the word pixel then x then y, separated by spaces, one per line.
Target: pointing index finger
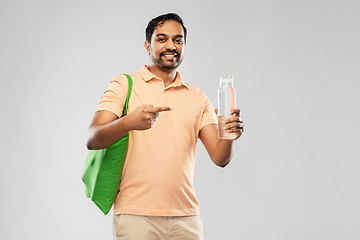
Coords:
pixel 159 109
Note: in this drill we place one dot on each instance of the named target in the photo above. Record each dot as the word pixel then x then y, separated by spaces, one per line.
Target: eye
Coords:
pixel 161 39
pixel 179 41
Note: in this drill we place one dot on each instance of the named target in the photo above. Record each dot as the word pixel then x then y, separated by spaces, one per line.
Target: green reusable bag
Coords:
pixel 103 168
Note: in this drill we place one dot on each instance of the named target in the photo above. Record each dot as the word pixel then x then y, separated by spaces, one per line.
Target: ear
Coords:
pixel 147 46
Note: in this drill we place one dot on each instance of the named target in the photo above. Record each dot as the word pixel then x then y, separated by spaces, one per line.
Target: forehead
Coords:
pixel 170 28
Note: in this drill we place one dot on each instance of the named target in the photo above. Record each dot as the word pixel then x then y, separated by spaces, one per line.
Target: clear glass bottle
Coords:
pixel 226 103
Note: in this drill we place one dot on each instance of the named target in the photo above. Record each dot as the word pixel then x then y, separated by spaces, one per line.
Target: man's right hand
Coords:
pixel 106 128
pixel 144 117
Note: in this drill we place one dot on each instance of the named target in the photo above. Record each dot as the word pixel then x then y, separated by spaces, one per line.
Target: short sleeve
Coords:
pixel 209 116
pixel 114 97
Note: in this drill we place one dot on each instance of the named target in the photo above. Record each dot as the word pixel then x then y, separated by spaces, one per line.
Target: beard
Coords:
pixel 163 64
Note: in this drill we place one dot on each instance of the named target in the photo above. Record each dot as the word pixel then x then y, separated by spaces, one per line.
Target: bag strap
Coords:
pixel 124 112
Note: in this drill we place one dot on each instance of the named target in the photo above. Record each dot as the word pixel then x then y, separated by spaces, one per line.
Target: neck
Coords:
pixel 167 75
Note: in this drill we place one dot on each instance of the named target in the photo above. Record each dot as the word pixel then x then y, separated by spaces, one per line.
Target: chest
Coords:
pixel 187 105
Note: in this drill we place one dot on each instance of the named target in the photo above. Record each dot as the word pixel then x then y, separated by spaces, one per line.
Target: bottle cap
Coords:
pixel 226 79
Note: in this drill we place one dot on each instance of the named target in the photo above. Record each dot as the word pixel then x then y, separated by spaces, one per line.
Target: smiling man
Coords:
pixel 166 47
pixel 156 198
pixel 171 55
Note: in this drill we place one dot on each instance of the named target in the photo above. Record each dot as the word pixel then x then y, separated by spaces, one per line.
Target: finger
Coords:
pixel 158 109
pixel 237 129
pixel 153 118
pixel 155 115
pixel 234 125
pixel 153 121
pixel 235 112
pixel 233 119
pixel 216 110
pixel 242 126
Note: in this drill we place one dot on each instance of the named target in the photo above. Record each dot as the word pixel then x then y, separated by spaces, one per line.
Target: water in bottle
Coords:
pixel 226 103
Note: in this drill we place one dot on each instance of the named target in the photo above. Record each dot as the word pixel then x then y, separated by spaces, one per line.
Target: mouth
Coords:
pixel 169 56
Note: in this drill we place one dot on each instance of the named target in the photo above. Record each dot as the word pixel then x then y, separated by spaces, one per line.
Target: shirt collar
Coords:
pixel 147 76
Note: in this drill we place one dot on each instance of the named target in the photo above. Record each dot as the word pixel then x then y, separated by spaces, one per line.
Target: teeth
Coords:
pixel 170 57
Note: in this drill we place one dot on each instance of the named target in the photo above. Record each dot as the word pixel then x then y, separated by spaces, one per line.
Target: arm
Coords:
pixel 106 128
pixel 221 150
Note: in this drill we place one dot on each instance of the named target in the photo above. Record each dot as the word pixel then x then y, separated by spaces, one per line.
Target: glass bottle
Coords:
pixel 226 103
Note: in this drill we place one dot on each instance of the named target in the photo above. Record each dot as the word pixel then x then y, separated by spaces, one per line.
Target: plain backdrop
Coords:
pixel 296 171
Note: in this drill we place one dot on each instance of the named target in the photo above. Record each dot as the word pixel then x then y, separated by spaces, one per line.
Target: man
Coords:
pixel 156 198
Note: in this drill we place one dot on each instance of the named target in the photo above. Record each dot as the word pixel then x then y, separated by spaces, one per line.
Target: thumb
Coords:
pixel 216 110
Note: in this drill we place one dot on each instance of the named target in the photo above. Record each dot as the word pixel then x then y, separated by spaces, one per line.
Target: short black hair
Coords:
pixel 159 21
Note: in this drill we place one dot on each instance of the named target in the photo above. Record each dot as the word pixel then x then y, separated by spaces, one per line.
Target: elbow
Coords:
pixel 89 146
pixel 91 141
pixel 221 160
pixel 222 165
pixel 93 144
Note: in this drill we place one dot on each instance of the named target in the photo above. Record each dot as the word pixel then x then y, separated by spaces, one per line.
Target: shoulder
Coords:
pixel 120 79
pixel 123 80
pixel 196 91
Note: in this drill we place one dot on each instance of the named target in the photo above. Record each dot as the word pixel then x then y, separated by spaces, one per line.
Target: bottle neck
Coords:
pixel 226 82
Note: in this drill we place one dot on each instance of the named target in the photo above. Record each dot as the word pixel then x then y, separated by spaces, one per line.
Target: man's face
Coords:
pixel 167 47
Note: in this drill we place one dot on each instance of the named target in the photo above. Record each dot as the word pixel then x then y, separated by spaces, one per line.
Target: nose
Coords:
pixel 170 45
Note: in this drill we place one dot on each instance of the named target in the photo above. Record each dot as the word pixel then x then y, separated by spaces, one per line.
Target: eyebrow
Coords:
pixel 164 35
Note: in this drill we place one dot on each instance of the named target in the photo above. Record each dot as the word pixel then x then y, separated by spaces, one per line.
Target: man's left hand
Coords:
pixel 234 123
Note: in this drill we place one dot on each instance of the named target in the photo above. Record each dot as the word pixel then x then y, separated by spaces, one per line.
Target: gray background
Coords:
pixel 295 174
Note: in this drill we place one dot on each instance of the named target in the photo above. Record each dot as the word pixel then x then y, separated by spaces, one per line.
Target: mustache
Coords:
pixel 167 52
